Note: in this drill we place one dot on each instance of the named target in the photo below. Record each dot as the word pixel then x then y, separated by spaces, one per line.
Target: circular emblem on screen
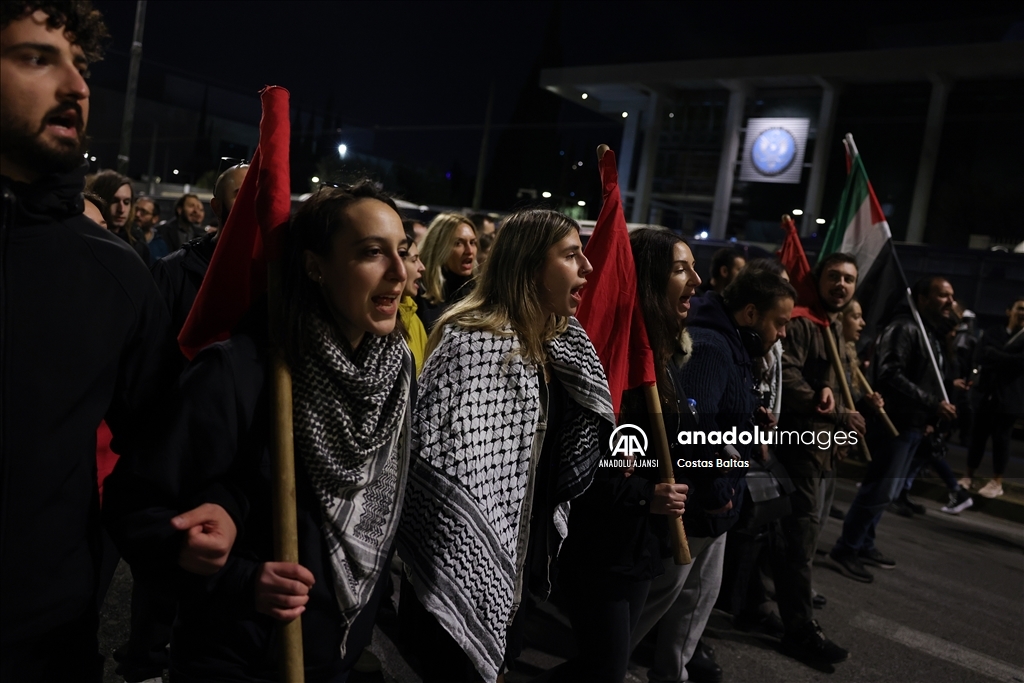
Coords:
pixel 773 151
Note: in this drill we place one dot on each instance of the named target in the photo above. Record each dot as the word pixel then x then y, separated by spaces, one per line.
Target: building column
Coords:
pixel 822 150
pixel 625 152
pixel 653 115
pixel 929 157
pixel 727 161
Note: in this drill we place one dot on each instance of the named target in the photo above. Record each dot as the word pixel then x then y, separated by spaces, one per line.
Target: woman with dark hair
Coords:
pixel 513 408
pixel 618 531
pixel 343 274
pixel 448 251
pixel 116 190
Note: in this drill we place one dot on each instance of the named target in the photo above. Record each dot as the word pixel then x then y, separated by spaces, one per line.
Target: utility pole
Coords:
pixel 133 85
pixel 478 192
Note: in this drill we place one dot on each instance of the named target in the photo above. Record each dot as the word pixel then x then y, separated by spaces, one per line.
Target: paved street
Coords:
pixel 952 610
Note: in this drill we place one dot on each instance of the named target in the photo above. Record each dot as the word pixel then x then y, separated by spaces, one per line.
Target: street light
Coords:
pixel 545 195
pixel 314 180
pixel 798 212
pixel 820 221
pixel 625 114
pixel 342 150
pixel 175 171
pixel 584 96
pixel 581 203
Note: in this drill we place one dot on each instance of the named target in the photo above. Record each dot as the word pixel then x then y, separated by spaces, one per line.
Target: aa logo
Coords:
pixel 628 441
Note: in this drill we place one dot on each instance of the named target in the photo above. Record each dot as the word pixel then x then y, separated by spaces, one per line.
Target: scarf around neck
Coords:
pixel 352 420
pixel 477 415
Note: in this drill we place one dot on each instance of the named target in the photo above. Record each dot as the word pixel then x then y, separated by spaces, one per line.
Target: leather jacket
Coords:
pixel 904 374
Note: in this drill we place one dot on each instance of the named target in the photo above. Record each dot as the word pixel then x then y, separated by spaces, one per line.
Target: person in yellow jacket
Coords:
pixel 415 333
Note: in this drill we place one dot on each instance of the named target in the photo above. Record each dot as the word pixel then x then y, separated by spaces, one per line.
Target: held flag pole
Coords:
pixel 245 264
pixel 611 315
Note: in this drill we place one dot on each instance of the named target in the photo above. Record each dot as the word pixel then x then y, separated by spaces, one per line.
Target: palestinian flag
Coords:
pixel 860 229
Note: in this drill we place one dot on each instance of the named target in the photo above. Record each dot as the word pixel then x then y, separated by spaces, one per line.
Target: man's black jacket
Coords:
pixel 179 275
pixel 904 374
pixel 83 337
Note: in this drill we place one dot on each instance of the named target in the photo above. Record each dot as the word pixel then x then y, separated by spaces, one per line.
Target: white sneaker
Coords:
pixel 993 489
pixel 965 483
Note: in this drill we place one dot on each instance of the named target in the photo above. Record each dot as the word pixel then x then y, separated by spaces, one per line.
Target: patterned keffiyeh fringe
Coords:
pixel 352 423
pixel 475 422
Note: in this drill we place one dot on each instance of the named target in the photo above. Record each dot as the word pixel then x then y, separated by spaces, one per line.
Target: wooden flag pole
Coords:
pixel 286 533
pixel 881 411
pixel 837 365
pixel 668 473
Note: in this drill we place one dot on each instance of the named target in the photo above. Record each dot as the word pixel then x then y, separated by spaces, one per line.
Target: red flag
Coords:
pixel 793 258
pixel 251 235
pixel 610 310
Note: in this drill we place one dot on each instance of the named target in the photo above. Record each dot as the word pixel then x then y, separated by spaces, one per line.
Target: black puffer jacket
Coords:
pixel 83 337
pixel 904 374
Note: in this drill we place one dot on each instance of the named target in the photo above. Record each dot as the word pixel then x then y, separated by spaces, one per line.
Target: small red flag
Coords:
pixel 250 237
pixel 793 258
pixel 610 310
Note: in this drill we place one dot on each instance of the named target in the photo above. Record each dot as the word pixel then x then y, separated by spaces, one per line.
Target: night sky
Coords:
pixel 423 64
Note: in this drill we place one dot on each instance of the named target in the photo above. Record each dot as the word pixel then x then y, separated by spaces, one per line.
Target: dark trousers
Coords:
pixel 604 614
pixel 145 654
pixel 999 425
pixel 66 653
pixel 795 541
pixel 926 457
pixel 882 484
pixel 431 648
pixel 742 593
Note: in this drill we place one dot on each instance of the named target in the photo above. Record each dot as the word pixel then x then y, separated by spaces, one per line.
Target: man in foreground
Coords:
pixel 92 344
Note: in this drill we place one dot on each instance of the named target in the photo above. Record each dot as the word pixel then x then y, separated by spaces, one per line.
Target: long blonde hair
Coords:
pixel 507 294
pixel 436 248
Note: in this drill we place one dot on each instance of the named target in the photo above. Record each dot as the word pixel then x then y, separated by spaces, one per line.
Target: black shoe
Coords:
pixel 819 601
pixel 836 513
pixel 910 505
pixel 876 559
pixel 850 566
pixel 809 644
pixel 702 667
pixel 900 508
pixel 769 624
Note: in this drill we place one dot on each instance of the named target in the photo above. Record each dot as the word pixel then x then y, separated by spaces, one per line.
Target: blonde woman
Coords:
pixel 512 409
pixel 449 258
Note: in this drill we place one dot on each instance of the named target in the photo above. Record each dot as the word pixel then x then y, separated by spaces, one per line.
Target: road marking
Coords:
pixel 938 648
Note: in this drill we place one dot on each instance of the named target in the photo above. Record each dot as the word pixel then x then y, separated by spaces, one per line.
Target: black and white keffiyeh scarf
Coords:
pixel 351 421
pixel 475 422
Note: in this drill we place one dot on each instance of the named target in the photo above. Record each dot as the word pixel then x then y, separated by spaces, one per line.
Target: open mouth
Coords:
pixel 576 293
pixel 386 303
pixel 684 301
pixel 64 124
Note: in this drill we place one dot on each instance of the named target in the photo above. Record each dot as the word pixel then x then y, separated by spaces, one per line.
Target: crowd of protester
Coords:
pixel 450 415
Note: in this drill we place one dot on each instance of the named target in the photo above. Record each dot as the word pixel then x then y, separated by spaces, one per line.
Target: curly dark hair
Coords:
pixel 78 18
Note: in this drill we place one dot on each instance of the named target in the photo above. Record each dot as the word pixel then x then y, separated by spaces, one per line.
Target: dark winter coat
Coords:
pixel 1001 372
pixel 84 337
pixel 180 274
pixel 720 378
